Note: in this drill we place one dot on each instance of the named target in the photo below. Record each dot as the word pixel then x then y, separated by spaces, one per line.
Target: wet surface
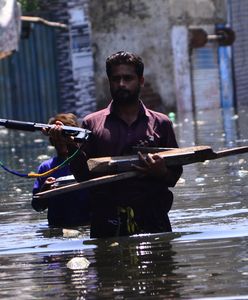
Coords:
pixel 205 257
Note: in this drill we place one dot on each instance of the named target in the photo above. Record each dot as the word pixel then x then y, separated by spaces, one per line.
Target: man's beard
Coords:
pixel 125 97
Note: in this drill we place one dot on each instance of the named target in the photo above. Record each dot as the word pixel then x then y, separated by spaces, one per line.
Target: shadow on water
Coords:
pixel 205 257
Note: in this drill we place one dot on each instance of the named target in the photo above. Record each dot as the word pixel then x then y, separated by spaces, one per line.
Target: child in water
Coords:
pixel 70 209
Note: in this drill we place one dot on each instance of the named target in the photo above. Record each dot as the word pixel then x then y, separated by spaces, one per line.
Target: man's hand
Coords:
pixel 58 139
pixel 152 165
pixel 55 132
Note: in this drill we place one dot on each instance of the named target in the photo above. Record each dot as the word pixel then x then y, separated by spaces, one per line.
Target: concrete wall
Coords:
pixel 144 26
pixel 81 57
pixel 74 54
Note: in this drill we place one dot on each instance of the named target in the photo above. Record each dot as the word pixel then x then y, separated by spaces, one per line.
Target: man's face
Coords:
pixel 125 84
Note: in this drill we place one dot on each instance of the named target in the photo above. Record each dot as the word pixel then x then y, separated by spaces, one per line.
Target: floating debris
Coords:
pixel 4 131
pixel 200 123
pixel 181 181
pixel 38 141
pixel 114 244
pixel 18 190
pixel 241 161
pixel 43 157
pixel 78 263
pixel 172 116
pixel 49 147
pixel 71 233
pixel 199 179
pixel 243 173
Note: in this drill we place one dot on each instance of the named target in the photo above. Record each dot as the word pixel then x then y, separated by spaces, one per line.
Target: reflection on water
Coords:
pixel 160 266
pixel 205 257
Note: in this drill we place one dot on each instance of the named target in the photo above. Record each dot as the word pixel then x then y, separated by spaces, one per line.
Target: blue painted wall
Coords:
pixel 226 74
pixel 28 78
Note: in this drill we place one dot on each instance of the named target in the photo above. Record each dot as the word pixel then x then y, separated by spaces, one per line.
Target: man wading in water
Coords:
pixel 141 204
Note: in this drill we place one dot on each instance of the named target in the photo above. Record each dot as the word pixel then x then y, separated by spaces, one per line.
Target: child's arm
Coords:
pixel 42 204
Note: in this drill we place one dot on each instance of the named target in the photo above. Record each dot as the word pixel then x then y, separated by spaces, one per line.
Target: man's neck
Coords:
pixel 128 113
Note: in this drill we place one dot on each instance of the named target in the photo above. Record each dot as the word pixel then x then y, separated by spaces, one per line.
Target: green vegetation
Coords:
pixel 29 5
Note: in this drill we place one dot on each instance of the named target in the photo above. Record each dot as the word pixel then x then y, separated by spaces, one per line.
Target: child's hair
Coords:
pixel 67 119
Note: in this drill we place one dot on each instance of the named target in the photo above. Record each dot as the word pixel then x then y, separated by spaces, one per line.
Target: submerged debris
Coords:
pixel 78 263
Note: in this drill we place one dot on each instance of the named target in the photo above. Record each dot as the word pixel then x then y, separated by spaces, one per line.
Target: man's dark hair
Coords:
pixel 125 58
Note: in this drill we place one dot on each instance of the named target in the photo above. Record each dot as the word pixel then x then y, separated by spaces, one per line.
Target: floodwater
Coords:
pixel 206 256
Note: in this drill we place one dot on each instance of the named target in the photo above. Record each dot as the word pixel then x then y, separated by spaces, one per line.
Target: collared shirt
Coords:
pixel 149 197
pixel 111 136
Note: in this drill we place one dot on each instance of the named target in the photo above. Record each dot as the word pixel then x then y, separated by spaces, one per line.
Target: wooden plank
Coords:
pixel 175 157
pixel 85 184
pixel 144 149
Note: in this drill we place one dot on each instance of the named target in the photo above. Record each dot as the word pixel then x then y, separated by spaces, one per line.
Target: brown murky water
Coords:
pixel 205 257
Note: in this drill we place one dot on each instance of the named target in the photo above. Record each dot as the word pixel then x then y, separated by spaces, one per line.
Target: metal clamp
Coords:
pixel 198 37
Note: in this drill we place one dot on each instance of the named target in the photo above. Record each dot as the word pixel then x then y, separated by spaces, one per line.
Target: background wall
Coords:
pixel 144 27
pixel 156 30
pixel 238 17
pixel 74 55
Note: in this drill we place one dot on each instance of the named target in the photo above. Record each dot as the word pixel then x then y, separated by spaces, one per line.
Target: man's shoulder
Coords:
pixel 95 115
pixel 158 116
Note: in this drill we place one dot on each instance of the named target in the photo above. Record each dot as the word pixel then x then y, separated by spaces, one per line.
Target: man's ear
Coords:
pixel 142 81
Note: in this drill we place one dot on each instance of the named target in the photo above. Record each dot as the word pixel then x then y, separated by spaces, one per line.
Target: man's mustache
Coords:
pixel 122 90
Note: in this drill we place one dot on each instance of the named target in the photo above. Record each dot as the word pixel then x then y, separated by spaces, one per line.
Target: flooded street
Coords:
pixel 205 257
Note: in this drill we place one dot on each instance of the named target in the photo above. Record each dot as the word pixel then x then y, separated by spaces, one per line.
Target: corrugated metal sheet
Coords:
pixel 239 23
pixel 28 79
pixel 205 77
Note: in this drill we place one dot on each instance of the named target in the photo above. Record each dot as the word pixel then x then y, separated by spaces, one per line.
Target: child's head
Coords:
pixel 68 119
